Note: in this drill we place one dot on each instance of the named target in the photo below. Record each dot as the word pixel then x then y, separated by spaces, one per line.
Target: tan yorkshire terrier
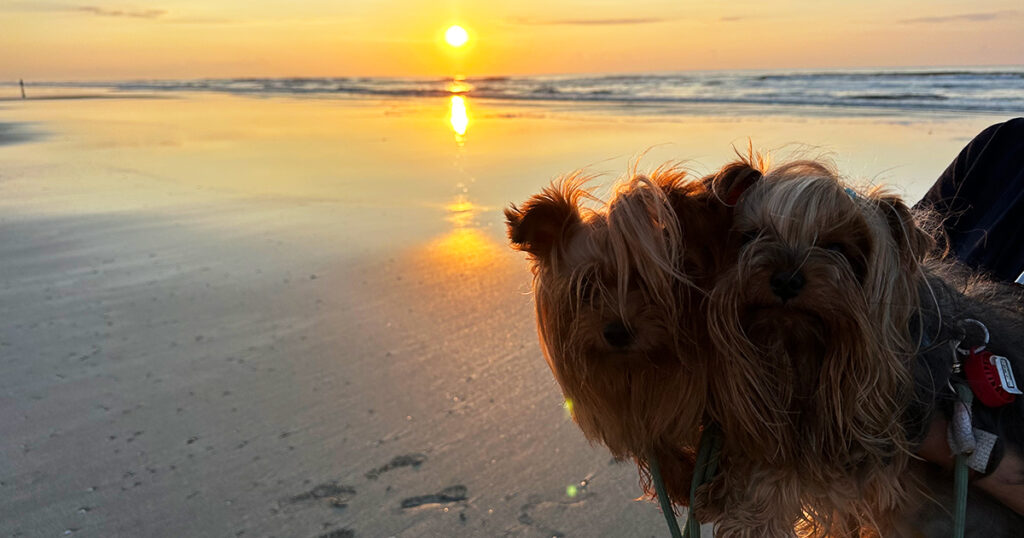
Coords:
pixel 833 334
pixel 799 317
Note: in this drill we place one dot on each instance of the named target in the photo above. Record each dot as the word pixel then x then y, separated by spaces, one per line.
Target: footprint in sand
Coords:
pixel 339 533
pixel 336 495
pixel 407 460
pixel 446 495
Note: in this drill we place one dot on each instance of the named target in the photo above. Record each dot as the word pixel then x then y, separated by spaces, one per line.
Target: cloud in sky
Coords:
pixel 131 13
pixel 963 17
pixel 592 22
pixel 85 9
pixel 162 15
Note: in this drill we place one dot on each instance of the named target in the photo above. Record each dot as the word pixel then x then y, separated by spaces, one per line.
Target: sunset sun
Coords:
pixel 456 36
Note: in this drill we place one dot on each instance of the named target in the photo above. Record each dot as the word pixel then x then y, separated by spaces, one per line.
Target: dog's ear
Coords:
pixel 677 187
pixel 914 242
pixel 544 220
pixel 733 180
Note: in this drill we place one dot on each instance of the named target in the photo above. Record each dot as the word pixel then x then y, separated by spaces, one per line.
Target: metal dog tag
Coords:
pixel 1006 378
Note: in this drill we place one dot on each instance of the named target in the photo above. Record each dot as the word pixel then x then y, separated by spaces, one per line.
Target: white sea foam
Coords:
pixel 995 90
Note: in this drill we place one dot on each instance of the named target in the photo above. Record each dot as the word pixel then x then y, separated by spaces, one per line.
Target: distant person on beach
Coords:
pixel 21 82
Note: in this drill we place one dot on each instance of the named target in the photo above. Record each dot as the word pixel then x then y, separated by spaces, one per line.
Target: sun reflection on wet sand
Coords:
pixel 461 212
pixel 459 118
pixel 465 249
pixel 466 243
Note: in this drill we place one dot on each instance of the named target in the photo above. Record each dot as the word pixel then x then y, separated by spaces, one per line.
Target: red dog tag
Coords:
pixel 984 378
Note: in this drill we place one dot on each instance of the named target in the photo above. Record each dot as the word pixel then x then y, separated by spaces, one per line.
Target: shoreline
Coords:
pixel 844 92
pixel 76 97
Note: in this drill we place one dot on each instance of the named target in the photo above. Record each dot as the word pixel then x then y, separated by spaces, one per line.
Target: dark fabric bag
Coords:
pixel 980 198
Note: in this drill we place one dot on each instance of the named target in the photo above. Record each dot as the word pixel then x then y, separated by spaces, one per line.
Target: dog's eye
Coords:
pixel 852 252
pixel 748 236
pixel 852 257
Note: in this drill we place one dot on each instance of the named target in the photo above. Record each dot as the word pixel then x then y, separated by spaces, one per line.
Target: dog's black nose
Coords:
pixel 617 335
pixel 787 284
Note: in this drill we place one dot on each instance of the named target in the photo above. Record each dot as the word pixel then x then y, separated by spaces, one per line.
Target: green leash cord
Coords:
pixel 663 500
pixel 960 473
pixel 705 469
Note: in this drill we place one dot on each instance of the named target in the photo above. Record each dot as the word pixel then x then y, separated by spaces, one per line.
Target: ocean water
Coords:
pixel 849 91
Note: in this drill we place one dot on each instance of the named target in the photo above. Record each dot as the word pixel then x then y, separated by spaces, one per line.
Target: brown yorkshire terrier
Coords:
pixel 607 321
pixel 619 297
pixel 832 344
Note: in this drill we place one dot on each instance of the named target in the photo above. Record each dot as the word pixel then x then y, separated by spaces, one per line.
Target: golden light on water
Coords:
pixel 465 247
pixel 463 251
pixel 456 36
pixel 461 212
pixel 458 85
pixel 459 117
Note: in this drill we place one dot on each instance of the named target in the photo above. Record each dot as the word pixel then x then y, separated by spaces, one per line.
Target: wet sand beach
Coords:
pixel 241 316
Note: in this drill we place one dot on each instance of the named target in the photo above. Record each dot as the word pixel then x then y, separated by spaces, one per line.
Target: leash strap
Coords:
pixel 663 500
pixel 707 465
pixel 960 472
pixel 704 471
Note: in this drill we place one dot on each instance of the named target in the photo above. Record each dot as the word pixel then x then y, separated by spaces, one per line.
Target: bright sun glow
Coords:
pixel 456 36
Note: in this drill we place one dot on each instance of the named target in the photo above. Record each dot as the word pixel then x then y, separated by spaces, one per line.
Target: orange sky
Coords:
pixel 104 39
